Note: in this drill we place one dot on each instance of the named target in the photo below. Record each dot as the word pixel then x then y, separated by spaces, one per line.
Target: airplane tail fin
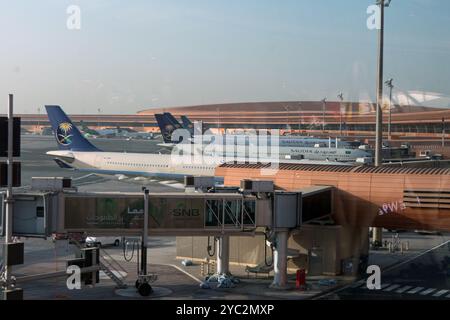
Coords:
pixel 187 124
pixel 172 120
pixel 67 135
pixel 166 127
pixel 168 124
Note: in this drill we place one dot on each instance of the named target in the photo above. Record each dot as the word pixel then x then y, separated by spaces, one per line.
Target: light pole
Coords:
pixel 378 232
pixel 324 105
pixel 341 98
pixel 288 126
pixel 218 120
pixel 39 115
pixel 379 118
pixel 6 280
pixel 390 85
pixel 299 117
pixel 99 110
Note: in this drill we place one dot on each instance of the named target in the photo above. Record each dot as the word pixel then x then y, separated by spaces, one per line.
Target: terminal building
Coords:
pixel 296 116
pixel 294 216
pixel 361 197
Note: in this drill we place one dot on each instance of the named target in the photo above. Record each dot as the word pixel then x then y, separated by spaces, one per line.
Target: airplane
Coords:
pixel 167 127
pixel 284 141
pixel 24 131
pixel 133 134
pixel 115 132
pixel 173 120
pixel 88 132
pixel 289 147
pixel 77 153
pixel 100 133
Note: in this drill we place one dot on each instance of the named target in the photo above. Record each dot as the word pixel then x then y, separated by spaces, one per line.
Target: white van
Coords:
pixel 104 241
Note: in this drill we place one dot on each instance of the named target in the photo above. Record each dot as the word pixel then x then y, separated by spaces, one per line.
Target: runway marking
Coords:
pixel 440 293
pixel 357 284
pixel 184 271
pixel 362 286
pixel 428 291
pixel 385 285
pixel 415 257
pixel 415 290
pixel 401 290
pixel 83 177
pixel 394 286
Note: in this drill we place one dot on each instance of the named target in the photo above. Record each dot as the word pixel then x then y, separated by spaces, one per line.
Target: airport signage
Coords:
pixel 2 215
pixel 16 181
pixel 102 212
pixel 4 137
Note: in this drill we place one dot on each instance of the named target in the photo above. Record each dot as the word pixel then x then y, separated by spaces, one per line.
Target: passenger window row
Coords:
pixel 196 167
pixel 138 164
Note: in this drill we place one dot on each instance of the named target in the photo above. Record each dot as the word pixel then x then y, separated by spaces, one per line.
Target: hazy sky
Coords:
pixel 132 55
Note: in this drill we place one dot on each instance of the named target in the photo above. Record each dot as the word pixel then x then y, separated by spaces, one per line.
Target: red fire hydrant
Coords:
pixel 300 282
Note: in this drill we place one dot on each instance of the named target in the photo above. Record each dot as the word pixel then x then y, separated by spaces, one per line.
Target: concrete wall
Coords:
pixel 322 248
pixel 243 250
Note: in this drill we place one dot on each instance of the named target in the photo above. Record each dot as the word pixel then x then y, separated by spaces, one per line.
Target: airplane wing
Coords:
pixel 146 180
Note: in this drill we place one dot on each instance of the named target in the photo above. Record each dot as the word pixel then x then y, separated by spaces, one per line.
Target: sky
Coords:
pixel 133 55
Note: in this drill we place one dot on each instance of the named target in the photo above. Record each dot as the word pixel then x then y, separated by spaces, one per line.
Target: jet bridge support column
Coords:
pixel 223 254
pixel 377 237
pixel 143 281
pixel 280 259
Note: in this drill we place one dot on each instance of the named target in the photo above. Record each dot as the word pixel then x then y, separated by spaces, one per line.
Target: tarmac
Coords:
pixel 174 281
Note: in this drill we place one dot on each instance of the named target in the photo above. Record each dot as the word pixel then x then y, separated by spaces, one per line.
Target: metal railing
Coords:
pixel 108 265
pixel 114 264
pixel 2 271
pixel 248 215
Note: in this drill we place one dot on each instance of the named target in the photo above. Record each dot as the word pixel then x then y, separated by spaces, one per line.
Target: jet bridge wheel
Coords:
pixel 145 289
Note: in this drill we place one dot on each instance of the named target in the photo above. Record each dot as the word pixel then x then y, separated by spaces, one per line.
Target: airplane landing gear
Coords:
pixel 143 284
pixel 144 279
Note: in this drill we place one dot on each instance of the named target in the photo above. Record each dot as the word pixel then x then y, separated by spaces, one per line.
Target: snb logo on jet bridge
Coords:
pixel 63 135
pixel 182 212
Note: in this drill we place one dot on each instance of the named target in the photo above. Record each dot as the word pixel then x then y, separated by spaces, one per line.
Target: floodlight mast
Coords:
pixel 341 98
pixel 299 117
pixel 390 85
pixel 324 105
pixel 378 232
pixel 379 117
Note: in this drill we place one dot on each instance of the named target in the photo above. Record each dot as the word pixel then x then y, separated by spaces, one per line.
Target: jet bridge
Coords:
pixel 235 211
pixel 219 212
pixel 40 214
pixel 169 213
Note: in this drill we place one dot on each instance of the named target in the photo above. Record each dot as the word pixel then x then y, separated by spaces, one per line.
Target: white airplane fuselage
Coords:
pixel 134 164
pixel 153 166
pixel 283 152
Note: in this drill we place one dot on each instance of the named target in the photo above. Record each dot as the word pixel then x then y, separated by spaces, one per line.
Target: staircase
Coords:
pixel 108 265
pixel 111 267
pixel 2 276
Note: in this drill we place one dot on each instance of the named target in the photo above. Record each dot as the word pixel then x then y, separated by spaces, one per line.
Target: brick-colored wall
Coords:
pixel 358 197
